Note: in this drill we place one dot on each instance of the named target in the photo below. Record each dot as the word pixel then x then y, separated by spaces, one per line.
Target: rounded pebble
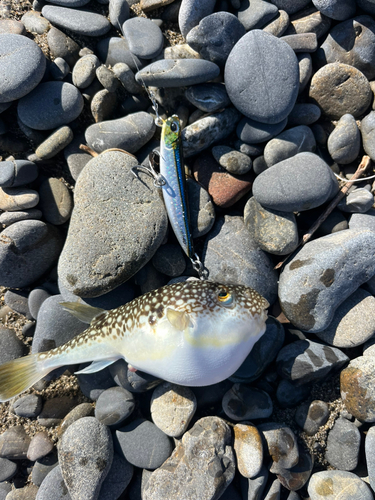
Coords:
pixel 233 161
pixel 56 202
pixel 28 406
pixel 192 12
pixel 114 405
pixel 208 97
pixel 144 37
pixel 311 416
pixel 39 447
pixel 14 173
pixel 293 141
pixel 7 469
pixel 83 72
pixel 248 447
pixel 343 444
pixel 14 443
pixel 328 485
pixel 344 142
pixel 80 22
pixel 55 143
pixel 253 132
pixel 246 403
pixel 357 388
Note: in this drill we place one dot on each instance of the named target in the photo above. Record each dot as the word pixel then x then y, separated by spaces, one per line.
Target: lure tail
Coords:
pixel 18 375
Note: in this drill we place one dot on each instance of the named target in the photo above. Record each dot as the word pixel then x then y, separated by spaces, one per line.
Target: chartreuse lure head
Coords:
pixel 171 132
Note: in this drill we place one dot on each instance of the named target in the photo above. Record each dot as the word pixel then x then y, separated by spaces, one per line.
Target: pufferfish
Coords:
pixel 194 333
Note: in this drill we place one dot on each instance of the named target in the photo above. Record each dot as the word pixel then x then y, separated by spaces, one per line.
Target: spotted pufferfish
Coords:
pixel 194 333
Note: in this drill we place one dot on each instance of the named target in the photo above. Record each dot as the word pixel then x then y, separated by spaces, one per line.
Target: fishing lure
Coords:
pixel 194 333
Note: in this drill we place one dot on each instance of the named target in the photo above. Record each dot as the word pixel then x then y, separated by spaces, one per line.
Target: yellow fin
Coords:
pixel 179 319
pixel 83 312
pixel 18 375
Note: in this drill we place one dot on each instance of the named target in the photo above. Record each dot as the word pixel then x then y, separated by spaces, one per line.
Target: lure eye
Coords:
pixel 224 297
pixel 174 127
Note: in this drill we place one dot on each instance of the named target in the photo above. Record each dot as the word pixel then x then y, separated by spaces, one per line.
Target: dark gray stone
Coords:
pixel 104 104
pixel 75 157
pixel 117 479
pixel 310 416
pixel 192 12
pixel 288 394
pixel 36 298
pixel 143 36
pixel 63 46
pixel 304 114
pixel 107 78
pixel 344 485
pixel 17 301
pixel 115 50
pixel 118 12
pixel 345 140
pixel 177 72
pixel 201 209
pixel 254 14
pixel 127 77
pixel 29 249
pixel 114 405
pixel 132 381
pixel 295 140
pixel 78 21
pixel 246 403
pixel 367 5
pixel 215 36
pixel 7 469
pixel 55 409
pixel 252 489
pixel 280 444
pixel 50 105
pixel 299 183
pixel 22 66
pixel 208 97
pixel 83 73
pixel 14 443
pixel 260 60
pixel 301 42
pixel 336 9
pixel 305 70
pixel 59 69
pixel 94 384
pixel 232 256
pixel 15 173
pixel 290 6
pixel 360 200
pixel 53 486
pixel 43 467
pixel 28 406
pixel 343 444
pixel 253 132
pixel 169 259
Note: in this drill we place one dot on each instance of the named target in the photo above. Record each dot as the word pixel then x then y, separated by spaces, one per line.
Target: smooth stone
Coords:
pixel 367 5
pixel 280 444
pixel 70 3
pixel 246 403
pixel 253 132
pixel 343 444
pixel 336 9
pixel 201 209
pixel 36 298
pixel 35 23
pixel 11 347
pixel 114 405
pixel 14 443
pixel 117 479
pixel 301 42
pixel 55 409
pixel 192 12
pixel 248 149
pixel 55 143
pixel 369 452
pixel 22 64
pixel 169 259
pixel 11 26
pixel 115 50
pixel 259 165
pixel 28 406
pixel 345 140
pixel 7 470
pixel 298 475
pixel 208 97
pixel 84 71
pixel 16 199
pixel 43 467
pixel 107 78
pixel 215 36
pixel 201 134
pixel 39 447
pixel 233 161
pixel 363 221
pixel 129 133
pixel 351 42
pixel 113 202
pixel 56 202
pixel 254 14
pixel 295 140
pixel 357 388
pixel 80 411
pixel 201 466
pixel 305 71
pixel 80 22
pixel 299 183
pixel 118 12
pixel 290 6
pixel 127 78
pixel 232 256
pixel 103 105
pixel 278 25
pixel 59 69
pixel 172 408
pixel 275 232
pixel 94 384
pixel 311 416
pixel 288 394
pixel 359 200
pixel 17 301
pixel 61 45
pixel 309 20
pixel 305 361
pixel 368 134
pixel 144 37
pixel 147 5
pixel 277 70
pixel 332 484
pixel 29 249
pixel 177 72
pixel 248 448
pixel 85 457
pixel 340 89
pixel 304 114
pixel 143 444
pixel 334 222
pixel 50 105
pixel 253 489
pixel 53 486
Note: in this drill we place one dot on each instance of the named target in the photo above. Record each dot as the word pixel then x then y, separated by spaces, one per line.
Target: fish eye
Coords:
pixel 174 127
pixel 224 297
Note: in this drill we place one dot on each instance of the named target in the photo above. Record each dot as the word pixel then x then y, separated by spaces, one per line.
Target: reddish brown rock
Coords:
pixel 226 189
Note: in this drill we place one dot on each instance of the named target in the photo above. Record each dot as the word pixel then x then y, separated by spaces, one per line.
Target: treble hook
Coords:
pixel 159 180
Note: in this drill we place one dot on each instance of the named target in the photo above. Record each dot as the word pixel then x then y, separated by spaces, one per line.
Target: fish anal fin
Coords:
pixel 85 313
pixel 95 366
pixel 178 319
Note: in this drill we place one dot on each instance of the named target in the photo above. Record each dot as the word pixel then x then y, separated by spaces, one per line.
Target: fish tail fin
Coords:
pixel 19 374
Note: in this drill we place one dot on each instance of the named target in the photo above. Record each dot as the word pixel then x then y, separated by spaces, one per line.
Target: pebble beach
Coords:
pixel 277 110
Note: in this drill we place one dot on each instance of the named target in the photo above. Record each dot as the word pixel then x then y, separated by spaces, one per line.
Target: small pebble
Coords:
pixel 53 486
pixel 113 406
pixel 83 72
pixel 55 409
pixel 208 97
pixel 143 36
pixel 304 114
pixel 107 78
pixel 78 21
pixel 343 444
pixel 296 477
pixel 358 201
pixel 63 46
pixel 16 199
pixel 28 406
pixel 278 24
pixel 56 202
pixel 254 14
pixel 55 143
pixel 280 443
pixel 248 448
pixel 7 470
pixel 59 69
pixel 35 23
pixel 357 388
pixel 79 411
pixel 246 403
pixel 192 12
pixel 14 173
pixel 39 447
pixel 312 416
pixel 344 142
pixel 233 161
pixel 126 77
pixel 289 394
pixel 253 132
pixel 118 12
pixel 11 347
pixel 14 443
pixel 293 141
pixel 43 467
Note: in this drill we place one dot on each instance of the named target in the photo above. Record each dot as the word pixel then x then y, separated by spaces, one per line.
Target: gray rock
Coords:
pixel 290 6
pixel 40 446
pixel 301 42
pixel 14 443
pixel 83 73
pixel 172 408
pixel 363 221
pixel 309 20
pixel 253 132
pixel 59 69
pixel 169 259
pixel 342 484
pixel 127 78
pixel 305 70
pixel 311 416
pixel 85 457
pixel 192 12
pixel 78 21
pixel 278 25
pixel 70 3
pixel 343 444
pixel 28 406
pixel 8 218
pixel 17 300
pixel 113 203
pixel 246 403
pixel 29 249
pixel 129 133
pixel 80 411
pixel 260 60
pixel 254 14
pixel 304 114
pixel 94 384
pixel 367 5
pixel 18 199
pixel 203 464
pixel 297 476
pixel 215 36
pixel 103 105
pixel 113 406
pixel 132 381
pixel 299 183
pixel 370 457
pixel 208 97
pixel 295 140
pixel 329 264
pixel 177 72
pixel 233 161
pixel 275 232
pixel 336 9
pixel 36 298
pixel 43 467
pixel 53 486
pixel 339 89
pixel 201 209
pixel 118 12
pixel 11 347
pixel 107 78
pixel 359 200
pixel 115 50
pixel 50 105
pixel 252 489
pixel 143 444
pixel 61 45
pixel 11 26
pixel 20 74
pixel 345 140
pixel 203 133
pixel 35 23
pixel 280 444
pixel 7 470
pixel 55 143
pixel 144 37
pixel 305 361
pixel 55 409
pixel 368 134
pixel 232 256
pixel 56 202
pixel 117 479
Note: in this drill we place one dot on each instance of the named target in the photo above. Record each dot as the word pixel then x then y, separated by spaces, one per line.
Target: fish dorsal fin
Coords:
pixel 83 312
pixel 95 366
pixel 178 319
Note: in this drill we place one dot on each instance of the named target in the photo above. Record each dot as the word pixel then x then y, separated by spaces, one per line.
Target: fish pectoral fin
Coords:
pixel 178 319
pixel 83 312
pixel 95 366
